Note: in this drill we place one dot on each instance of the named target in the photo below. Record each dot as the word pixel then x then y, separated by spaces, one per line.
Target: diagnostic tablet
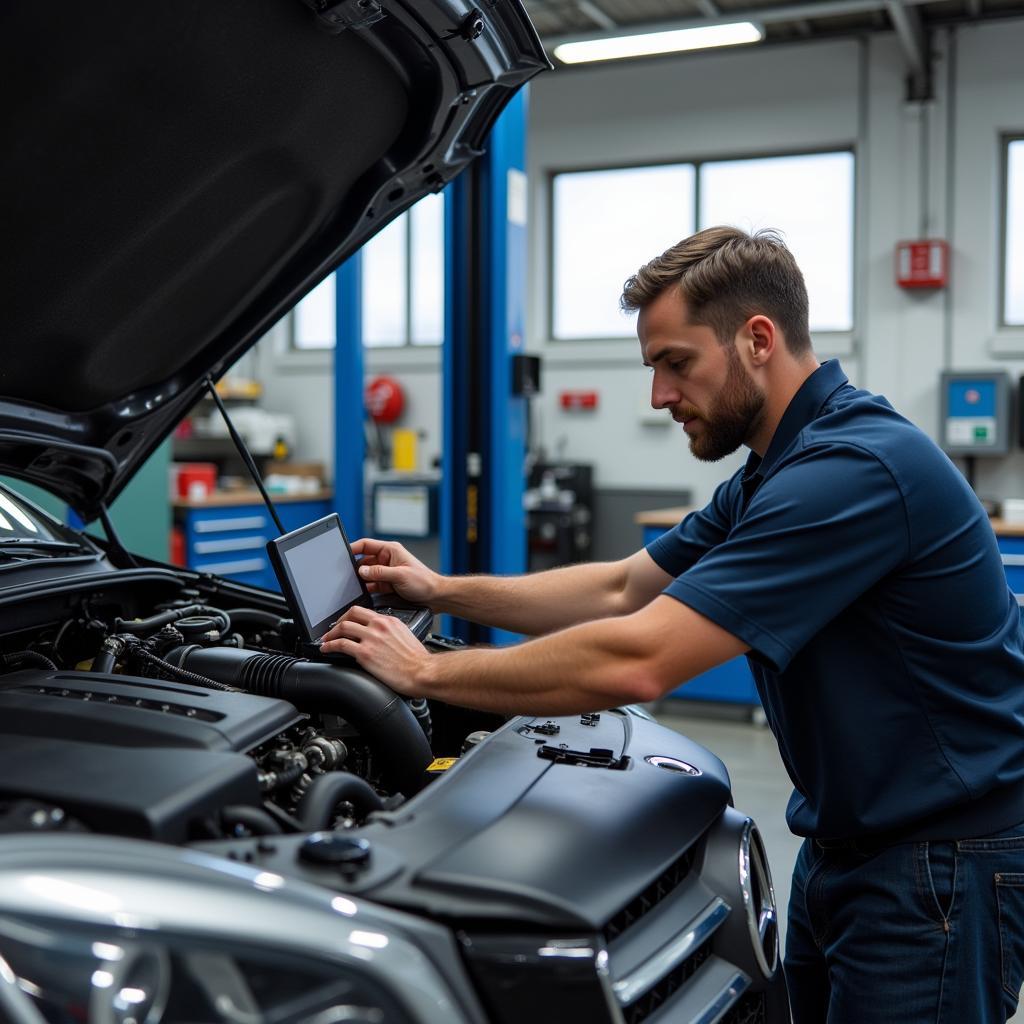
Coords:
pixel 318 575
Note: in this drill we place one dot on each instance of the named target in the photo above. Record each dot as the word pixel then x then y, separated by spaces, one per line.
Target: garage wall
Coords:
pixel 776 99
pixel 790 98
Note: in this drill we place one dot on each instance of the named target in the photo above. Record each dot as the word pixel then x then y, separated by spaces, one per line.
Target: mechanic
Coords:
pixel 857 570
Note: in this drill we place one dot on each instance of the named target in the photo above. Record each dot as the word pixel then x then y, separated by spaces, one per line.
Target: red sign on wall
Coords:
pixel 923 264
pixel 578 399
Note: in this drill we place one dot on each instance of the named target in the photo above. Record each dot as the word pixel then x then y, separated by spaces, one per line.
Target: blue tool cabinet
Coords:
pixel 231 539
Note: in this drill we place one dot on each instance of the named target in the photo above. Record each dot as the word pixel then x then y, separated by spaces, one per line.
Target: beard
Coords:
pixel 733 417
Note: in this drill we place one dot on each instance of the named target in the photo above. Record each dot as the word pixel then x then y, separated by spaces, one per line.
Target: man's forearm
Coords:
pixel 537 603
pixel 588 667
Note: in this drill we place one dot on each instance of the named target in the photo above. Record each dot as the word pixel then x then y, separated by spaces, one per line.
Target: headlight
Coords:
pixel 66 975
pixel 102 931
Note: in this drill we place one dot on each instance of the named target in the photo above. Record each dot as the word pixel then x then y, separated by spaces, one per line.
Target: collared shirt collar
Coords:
pixel 804 407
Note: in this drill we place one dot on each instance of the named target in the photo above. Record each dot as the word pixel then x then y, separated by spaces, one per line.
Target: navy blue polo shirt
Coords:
pixel 886 646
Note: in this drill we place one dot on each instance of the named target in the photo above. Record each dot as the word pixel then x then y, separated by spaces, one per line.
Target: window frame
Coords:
pixel 293 350
pixel 1003 234
pixel 696 163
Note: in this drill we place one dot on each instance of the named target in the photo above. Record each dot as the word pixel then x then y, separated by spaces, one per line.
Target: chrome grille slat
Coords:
pixel 665 960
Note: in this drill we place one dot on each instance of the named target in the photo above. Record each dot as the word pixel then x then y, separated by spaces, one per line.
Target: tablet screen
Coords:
pixel 322 581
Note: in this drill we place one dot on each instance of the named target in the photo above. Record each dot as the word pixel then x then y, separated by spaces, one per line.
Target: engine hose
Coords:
pixel 381 717
pixel 421 709
pixel 146 627
pixel 104 661
pixel 19 659
pixel 183 674
pixel 316 811
pixel 289 775
pixel 256 615
pixel 254 819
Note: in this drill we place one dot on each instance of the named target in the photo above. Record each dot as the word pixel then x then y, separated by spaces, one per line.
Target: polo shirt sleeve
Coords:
pixel 818 533
pixel 679 548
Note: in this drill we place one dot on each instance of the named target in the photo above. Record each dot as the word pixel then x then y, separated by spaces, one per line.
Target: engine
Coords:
pixel 194 723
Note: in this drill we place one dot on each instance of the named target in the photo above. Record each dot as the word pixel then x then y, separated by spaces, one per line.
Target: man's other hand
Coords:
pixel 386 567
pixel 382 645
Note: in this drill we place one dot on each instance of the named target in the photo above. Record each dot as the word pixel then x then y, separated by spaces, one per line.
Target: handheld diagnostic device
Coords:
pixel 318 575
pixel 320 581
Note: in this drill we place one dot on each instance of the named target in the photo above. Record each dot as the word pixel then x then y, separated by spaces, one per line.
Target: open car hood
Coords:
pixel 178 176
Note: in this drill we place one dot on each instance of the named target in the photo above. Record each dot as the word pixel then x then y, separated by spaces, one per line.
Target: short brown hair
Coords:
pixel 727 276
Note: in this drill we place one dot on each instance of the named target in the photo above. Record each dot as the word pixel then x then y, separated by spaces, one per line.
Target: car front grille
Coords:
pixel 749 1010
pixel 665 884
pixel 656 997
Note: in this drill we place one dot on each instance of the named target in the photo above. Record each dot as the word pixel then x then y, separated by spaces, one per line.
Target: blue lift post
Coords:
pixel 349 435
pixel 483 525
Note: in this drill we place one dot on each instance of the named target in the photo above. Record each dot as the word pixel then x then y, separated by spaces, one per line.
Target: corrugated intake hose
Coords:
pixel 380 715
pixel 316 810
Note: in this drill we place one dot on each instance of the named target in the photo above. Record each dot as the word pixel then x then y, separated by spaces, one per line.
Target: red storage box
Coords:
pixel 195 479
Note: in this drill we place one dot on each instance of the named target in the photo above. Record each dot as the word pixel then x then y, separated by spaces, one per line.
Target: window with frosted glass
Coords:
pixel 606 225
pixel 314 320
pixel 402 286
pixel 426 246
pixel 1013 273
pixel 809 200
pixel 385 286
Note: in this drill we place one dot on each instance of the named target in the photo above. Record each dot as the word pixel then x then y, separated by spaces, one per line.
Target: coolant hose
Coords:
pixel 147 627
pixel 327 791
pixel 379 714
pixel 257 615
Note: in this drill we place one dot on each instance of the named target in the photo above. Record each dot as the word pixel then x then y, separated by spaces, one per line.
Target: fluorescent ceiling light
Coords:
pixel 648 43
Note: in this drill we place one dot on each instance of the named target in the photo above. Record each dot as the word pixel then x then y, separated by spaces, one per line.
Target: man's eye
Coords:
pixel 678 364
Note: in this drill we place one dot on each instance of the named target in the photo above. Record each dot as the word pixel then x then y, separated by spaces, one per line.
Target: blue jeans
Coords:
pixel 913 933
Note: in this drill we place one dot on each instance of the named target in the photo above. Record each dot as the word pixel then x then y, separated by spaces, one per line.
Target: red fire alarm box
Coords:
pixel 923 264
pixel 578 399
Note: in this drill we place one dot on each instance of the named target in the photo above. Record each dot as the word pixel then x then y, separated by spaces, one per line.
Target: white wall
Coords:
pixel 747 102
pixel 810 95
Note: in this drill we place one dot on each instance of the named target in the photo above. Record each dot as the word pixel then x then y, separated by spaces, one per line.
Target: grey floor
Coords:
pixel 760 785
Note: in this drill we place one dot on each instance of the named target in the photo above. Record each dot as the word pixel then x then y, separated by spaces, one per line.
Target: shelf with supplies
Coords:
pixel 226 532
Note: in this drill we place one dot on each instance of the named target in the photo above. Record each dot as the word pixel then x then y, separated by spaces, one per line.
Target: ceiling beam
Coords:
pixel 596 15
pixel 911 34
pixel 761 15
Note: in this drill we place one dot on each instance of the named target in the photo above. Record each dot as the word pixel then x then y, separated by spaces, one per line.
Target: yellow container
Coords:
pixel 403 450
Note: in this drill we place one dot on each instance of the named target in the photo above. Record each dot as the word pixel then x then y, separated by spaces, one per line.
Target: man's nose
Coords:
pixel 663 396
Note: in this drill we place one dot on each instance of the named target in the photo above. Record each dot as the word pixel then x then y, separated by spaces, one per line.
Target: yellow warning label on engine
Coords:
pixel 441 764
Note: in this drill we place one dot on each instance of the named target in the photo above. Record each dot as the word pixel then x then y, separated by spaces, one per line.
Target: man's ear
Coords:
pixel 762 336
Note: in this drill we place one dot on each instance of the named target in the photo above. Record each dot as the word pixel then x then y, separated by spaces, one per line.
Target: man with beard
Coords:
pixel 854 566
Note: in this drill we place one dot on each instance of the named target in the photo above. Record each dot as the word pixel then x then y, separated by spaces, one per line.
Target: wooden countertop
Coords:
pixel 249 496
pixel 662 516
pixel 671 516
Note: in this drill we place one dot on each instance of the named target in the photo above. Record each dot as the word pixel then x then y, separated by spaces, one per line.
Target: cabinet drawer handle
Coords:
pixel 223 525
pixel 211 547
pixel 227 568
